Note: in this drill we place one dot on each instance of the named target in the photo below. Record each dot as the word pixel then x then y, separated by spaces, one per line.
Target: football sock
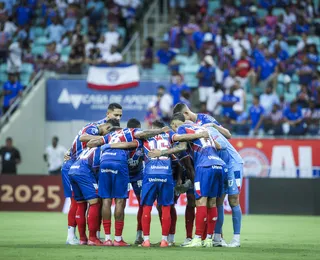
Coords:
pixel 139 216
pixel 146 220
pixel 107 228
pixel 212 219
pixel 165 238
pixel 220 220
pixel 173 215
pixel 71 231
pixel 166 220
pixel 236 237
pixel 81 220
pixel 72 213
pixel 217 237
pixel 171 238
pixel 204 234
pixel 118 238
pixel 201 217
pixel 236 219
pixel 93 220
pixel 189 219
pixel 118 227
pixel 145 238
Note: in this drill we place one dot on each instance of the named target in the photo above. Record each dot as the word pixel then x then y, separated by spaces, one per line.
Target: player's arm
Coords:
pixel 178 148
pixel 225 132
pixel 86 138
pixel 145 134
pixel 95 142
pixel 189 137
pixel 124 145
pixel 187 163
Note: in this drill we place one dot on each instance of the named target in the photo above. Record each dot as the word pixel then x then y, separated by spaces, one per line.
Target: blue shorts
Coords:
pixel 208 181
pixel 235 173
pixel 157 187
pixel 136 183
pixel 83 182
pixel 67 190
pixel 114 180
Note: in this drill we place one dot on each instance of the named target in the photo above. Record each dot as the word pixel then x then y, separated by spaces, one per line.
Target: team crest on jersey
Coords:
pixel 256 163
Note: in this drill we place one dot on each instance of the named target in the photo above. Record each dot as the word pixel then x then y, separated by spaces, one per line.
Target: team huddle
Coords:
pixel 192 156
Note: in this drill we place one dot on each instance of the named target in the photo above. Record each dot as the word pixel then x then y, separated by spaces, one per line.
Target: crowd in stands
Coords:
pixel 257 64
pixel 61 35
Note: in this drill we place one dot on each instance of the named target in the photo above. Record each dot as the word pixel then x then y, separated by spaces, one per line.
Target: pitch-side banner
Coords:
pixel 113 78
pixel 279 158
pixel 68 100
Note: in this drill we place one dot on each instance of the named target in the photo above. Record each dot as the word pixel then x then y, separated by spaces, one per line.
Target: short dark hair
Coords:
pixel 178 116
pixel 179 107
pixel 256 97
pixel 150 41
pixel 158 123
pixel 114 106
pixel 9 139
pixel 56 137
pixel 133 123
pixel 162 87
pixel 113 122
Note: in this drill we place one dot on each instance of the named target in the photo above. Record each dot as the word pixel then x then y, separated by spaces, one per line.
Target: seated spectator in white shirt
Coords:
pixel 229 81
pixel 113 57
pixel 268 99
pixel 54 155
pixel 214 98
pixel 112 37
pixel 14 61
pixel 239 92
pixel 239 44
pixel 104 48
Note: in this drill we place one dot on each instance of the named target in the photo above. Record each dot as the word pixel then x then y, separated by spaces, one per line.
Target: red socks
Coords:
pixel 139 217
pixel 146 220
pixel 189 219
pixel 212 219
pixel 173 215
pixel 72 213
pixel 81 220
pixel 93 220
pixel 204 234
pixel 166 220
pixel 107 226
pixel 118 226
pixel 201 218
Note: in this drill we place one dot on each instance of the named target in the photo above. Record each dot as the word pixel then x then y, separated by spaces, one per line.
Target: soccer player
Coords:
pixel 91 129
pixel 235 174
pixel 114 175
pixel 158 180
pixel 83 179
pixel 209 176
pixel 78 209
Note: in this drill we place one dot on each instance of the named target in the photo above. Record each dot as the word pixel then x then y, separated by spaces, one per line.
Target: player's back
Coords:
pixel 162 164
pixel 203 151
pixel 135 161
pixel 88 159
pixel 118 136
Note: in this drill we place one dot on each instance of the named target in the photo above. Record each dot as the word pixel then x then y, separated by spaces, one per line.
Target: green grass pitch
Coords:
pixel 35 236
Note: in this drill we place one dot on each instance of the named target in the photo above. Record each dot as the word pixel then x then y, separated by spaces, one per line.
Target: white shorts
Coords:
pixel 204 93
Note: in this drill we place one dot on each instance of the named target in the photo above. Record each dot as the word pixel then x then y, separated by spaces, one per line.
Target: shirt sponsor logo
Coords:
pixel 109 171
pixel 213 158
pixel 157 180
pixel 75 167
pixel 108 153
pixel 217 167
pixel 159 167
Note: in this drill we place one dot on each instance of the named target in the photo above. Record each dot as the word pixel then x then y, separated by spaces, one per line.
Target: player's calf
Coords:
pixel 119 222
pixel 94 222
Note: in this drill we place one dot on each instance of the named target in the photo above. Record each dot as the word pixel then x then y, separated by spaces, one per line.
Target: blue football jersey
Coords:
pixel 89 158
pixel 135 161
pixel 78 146
pixel 203 151
pixel 233 156
pixel 161 165
pixel 118 136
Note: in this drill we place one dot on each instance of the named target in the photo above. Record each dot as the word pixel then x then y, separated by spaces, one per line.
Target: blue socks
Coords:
pixel 236 219
pixel 220 220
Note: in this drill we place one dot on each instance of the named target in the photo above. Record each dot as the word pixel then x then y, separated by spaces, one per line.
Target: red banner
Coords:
pixel 279 158
pixel 31 193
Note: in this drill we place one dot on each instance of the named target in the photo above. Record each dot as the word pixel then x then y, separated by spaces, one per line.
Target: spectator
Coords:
pixel 229 81
pixel 206 76
pixel 208 47
pixel 55 31
pixel 147 61
pixel 312 117
pixel 239 92
pixel 273 121
pixel 23 13
pixel 112 37
pixel 267 71
pixel 176 90
pixel 227 102
pixel 303 42
pixel 14 61
pixel 303 97
pixel 10 27
pixel 313 56
pixel 53 156
pixel 164 54
pixel 268 99
pixel 51 58
pixel 256 112
pixel 239 44
pixel 271 19
pixel 305 73
pixel 243 68
pixel 10 157
pixel 112 58
pixel 214 98
pixel 95 10
pixel 3 13
pixel 289 16
pixel 103 47
pixel 12 89
pixel 76 60
pixel 175 33
pixel 94 57
pixel 293 116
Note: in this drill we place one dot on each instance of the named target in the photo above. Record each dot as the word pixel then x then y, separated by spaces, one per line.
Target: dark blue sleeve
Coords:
pixel 92 130
pixel 181 130
pixel 106 138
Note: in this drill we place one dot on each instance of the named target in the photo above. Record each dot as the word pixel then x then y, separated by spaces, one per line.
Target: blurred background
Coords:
pixel 253 65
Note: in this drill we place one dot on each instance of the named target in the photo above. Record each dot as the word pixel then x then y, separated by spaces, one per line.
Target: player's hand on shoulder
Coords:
pixel 154 153
pixel 67 156
pixel 205 134
pixel 166 129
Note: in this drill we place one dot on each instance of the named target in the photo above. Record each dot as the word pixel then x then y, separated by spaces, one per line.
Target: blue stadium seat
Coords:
pixel 38 31
pixel 278 11
pixel 213 5
pixel 42 40
pixel 240 20
pixel 292 50
pixel 262 12
pixel 182 59
pixel 193 69
pixel 64 58
pixel 66 50
pixel 160 69
pixel 122 32
pixel 3 68
pixel 289 97
pixel 27 68
pixel 25 78
pixel 38 49
pixel 191 80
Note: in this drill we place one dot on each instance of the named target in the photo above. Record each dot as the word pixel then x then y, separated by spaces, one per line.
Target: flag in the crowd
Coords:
pixel 113 78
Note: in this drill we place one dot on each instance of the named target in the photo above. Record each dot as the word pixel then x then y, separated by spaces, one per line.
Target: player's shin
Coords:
pixel 146 220
pixel 119 219
pixel 106 218
pixel 211 222
pixel 201 217
pixel 72 219
pixel 81 220
pixel 172 232
pixel 139 238
pixel 189 220
pixel 219 223
pixel 166 222
pixel 236 219
pixel 93 220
